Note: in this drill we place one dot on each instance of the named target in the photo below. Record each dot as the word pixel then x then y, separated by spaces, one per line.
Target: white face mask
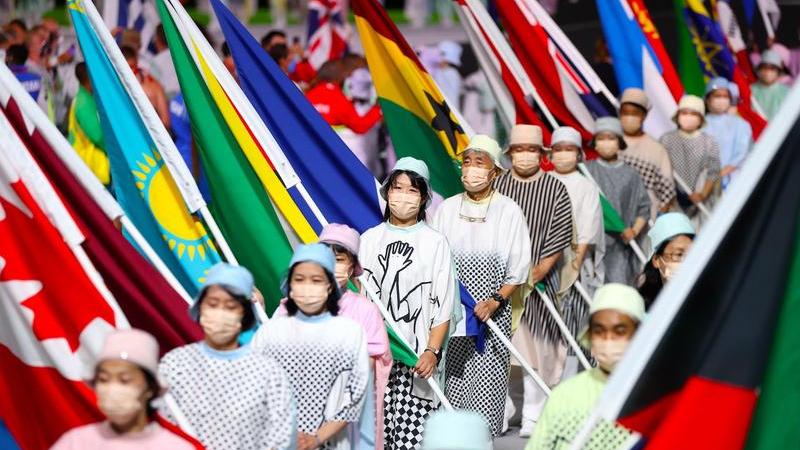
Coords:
pixel 689 122
pixel 475 179
pixel 719 105
pixel 565 162
pixel 668 270
pixel 309 297
pixel 525 163
pixel 120 403
pixel 609 352
pixel 220 325
pixel 342 273
pixel 404 206
pixel 630 124
pixel 607 148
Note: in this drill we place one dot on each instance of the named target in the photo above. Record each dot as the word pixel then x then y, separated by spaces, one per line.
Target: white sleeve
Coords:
pixel 519 257
pixel 445 285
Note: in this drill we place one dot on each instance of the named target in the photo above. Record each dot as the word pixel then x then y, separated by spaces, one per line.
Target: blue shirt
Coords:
pixel 734 137
pixel 32 82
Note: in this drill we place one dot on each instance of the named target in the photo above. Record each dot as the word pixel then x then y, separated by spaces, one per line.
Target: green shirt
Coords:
pixel 769 98
pixel 569 405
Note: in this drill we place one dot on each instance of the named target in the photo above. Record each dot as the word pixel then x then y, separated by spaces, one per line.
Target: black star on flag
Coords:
pixel 442 121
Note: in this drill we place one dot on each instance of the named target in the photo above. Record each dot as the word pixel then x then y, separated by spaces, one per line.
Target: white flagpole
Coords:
pixel 161 138
pixel 584 294
pixel 518 356
pixel 437 390
pixel 563 327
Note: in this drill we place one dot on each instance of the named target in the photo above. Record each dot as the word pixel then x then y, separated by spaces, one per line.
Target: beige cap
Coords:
pixel 636 97
pixel 525 134
pixel 483 143
pixel 692 103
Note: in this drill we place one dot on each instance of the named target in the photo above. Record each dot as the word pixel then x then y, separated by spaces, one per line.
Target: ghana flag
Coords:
pixel 715 365
pixel 420 122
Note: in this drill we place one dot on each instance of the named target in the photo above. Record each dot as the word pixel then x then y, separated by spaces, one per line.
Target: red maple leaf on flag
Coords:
pixel 34 250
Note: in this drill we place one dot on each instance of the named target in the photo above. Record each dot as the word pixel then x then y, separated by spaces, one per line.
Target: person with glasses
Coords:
pixel 409 267
pixel 670 238
pixel 545 203
pixel 491 248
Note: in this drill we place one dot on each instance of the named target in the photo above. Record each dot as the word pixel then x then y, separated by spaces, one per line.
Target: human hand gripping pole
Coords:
pixel 437 390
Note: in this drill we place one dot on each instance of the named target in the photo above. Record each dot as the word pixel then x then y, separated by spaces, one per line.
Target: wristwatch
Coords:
pixel 500 299
pixel 436 352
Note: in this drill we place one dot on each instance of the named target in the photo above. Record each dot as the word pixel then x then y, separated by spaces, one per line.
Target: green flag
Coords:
pixel 240 204
pixel 612 221
pixel 688 64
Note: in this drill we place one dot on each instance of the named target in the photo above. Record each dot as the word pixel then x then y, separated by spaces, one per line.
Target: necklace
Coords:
pixel 471 219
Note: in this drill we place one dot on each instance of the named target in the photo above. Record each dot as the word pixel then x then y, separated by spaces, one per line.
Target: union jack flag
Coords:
pixel 327 31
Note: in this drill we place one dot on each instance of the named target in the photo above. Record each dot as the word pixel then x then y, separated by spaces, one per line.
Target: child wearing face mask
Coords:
pixel 732 133
pixel 768 93
pixel 324 354
pixel 344 241
pixel 624 189
pixel 584 258
pixel 616 313
pixel 125 381
pixel 644 153
pixel 694 155
pixel 226 414
pixel 409 266
pixel 671 237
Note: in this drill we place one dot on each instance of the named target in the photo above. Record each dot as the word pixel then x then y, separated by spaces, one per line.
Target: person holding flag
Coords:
pixel 732 133
pixel 344 241
pixel 615 315
pixel 644 153
pixel 545 203
pixel 125 380
pixel 586 257
pixel 694 155
pixel 232 396
pixel 491 248
pixel 324 354
pixel 623 187
pixel 410 267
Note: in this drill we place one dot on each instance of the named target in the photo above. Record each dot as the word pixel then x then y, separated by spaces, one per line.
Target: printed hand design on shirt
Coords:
pixel 397 258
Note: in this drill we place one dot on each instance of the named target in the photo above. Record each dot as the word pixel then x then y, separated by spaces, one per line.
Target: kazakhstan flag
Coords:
pixel 142 183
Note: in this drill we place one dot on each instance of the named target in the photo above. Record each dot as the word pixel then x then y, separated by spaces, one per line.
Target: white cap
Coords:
pixel 566 134
pixel 483 143
pixel 526 135
pixel 451 52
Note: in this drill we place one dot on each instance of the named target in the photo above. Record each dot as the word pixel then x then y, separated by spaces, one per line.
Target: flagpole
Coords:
pixel 685 188
pixel 563 327
pixel 584 294
pixel 154 259
pixel 437 390
pixel 166 147
pixel 518 356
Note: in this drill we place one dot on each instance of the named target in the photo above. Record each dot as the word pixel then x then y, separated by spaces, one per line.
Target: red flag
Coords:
pixel 146 298
pixel 537 53
pixel 52 319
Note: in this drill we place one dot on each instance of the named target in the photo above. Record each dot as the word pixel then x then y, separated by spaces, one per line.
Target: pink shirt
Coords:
pixel 100 436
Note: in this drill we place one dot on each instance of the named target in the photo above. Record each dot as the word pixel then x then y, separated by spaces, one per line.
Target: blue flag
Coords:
pixel 341 187
pixel 142 183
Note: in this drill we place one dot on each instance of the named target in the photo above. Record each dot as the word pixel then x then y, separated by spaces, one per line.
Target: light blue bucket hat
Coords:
pixel 456 430
pixel 668 226
pixel 317 253
pixel 409 164
pixel 235 279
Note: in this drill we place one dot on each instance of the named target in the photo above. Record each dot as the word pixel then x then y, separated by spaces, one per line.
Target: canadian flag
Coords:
pixel 54 310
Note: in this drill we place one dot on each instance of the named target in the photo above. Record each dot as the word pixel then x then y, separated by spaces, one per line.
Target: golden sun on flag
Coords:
pixel 183 232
